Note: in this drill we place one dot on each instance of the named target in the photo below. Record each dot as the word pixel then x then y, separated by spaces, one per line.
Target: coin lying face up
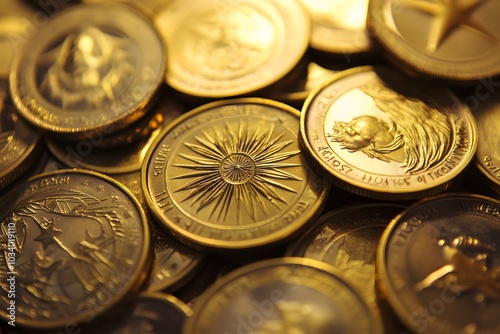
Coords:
pixel 229 48
pixel 439 263
pixel 286 295
pixel 384 136
pixel 231 175
pixel 90 69
pixel 74 244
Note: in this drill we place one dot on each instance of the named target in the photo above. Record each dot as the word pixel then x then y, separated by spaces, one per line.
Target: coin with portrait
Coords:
pixel 380 135
pixel 75 243
pixel 91 69
pixel 231 175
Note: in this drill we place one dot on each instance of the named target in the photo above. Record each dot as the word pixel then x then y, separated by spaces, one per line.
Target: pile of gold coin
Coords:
pixel 235 166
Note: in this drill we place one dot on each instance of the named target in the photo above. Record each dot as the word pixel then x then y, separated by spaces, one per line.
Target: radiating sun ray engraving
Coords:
pixel 238 169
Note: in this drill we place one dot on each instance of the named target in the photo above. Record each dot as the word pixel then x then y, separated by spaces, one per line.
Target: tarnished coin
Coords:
pixel 339 26
pixel 92 69
pixel 383 136
pixel 487 160
pixel 231 175
pixel 227 48
pixel 287 295
pixel 173 263
pixel 93 152
pixel 74 244
pixel 151 313
pixel 453 40
pixel 20 144
pixel 439 263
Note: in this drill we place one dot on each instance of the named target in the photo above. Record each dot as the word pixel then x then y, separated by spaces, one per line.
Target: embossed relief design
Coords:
pixel 470 269
pixel 90 67
pixel 229 42
pixel 416 135
pixel 65 244
pixel 448 16
pixel 238 170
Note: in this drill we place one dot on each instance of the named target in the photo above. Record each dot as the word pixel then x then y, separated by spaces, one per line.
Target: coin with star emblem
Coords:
pixel 439 264
pixel 455 40
pixel 74 244
pixel 91 70
pixel 231 175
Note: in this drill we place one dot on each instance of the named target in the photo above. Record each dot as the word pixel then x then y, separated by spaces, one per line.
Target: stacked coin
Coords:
pixel 233 166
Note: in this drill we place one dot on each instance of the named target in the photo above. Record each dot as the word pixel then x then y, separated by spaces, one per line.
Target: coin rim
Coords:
pixel 198 242
pixel 327 269
pixel 131 286
pixel 398 305
pixel 411 58
pixel 361 188
pixel 119 121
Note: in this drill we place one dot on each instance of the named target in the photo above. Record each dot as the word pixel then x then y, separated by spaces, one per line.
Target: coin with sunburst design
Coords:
pixel 231 175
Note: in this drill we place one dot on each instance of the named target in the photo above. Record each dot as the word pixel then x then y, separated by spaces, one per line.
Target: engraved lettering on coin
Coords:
pixel 229 42
pixel 469 269
pixel 237 170
pixel 88 68
pixel 416 135
pixel 447 17
pixel 65 243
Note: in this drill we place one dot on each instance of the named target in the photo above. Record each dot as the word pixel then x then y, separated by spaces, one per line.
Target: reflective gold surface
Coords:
pixel 288 295
pixel 382 136
pixel 439 265
pixel 91 69
pixel 449 39
pixel 339 26
pixel 231 175
pixel 222 49
pixel 79 244
pixel 19 143
pixel 488 147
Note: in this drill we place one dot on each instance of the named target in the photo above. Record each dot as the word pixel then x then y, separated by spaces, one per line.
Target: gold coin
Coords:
pixel 173 263
pixel 92 69
pixel 383 136
pixel 449 39
pixel 295 92
pixel 75 244
pixel 93 152
pixel 439 263
pixel 339 26
pixel 151 313
pixel 20 144
pixel 487 158
pixel 223 48
pixel 231 175
pixel 287 295
pixel 16 28
pixel 347 239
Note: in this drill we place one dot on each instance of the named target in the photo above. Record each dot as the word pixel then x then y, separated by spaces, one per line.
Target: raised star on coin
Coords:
pixel 448 15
